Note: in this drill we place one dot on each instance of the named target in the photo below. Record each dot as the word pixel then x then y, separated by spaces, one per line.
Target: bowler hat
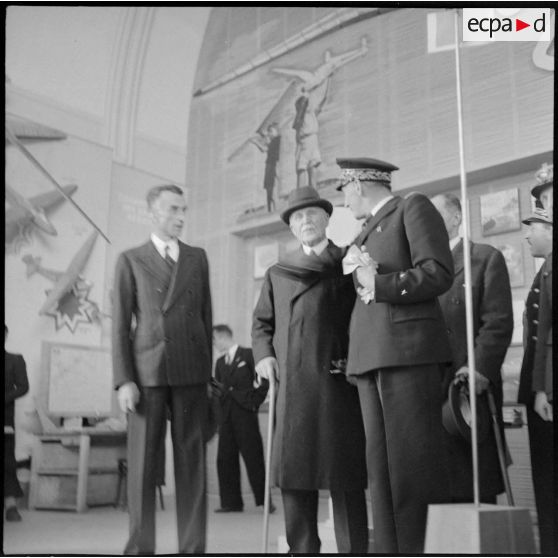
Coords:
pixel 544 177
pixel 456 412
pixel 365 168
pixel 300 198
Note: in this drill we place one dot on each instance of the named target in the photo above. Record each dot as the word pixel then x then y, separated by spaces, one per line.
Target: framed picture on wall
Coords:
pixel 265 256
pixel 512 249
pixel 500 212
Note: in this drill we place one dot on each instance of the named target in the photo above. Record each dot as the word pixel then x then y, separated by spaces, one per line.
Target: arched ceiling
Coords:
pixel 136 64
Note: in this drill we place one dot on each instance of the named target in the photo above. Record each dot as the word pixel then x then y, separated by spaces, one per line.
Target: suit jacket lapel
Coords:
pixel 373 222
pixel 152 261
pixel 236 359
pixel 457 254
pixel 180 275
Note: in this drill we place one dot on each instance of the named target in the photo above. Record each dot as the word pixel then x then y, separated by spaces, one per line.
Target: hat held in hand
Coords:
pixel 457 415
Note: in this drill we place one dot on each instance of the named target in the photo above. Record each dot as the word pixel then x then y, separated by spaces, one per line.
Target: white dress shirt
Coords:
pixel 317 248
pixel 381 204
pixel 454 242
pixel 161 246
pixel 229 355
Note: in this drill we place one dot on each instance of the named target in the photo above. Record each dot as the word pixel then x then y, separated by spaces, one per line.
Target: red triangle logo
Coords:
pixel 519 24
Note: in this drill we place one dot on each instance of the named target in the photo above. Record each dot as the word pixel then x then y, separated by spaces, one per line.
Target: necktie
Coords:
pixel 168 258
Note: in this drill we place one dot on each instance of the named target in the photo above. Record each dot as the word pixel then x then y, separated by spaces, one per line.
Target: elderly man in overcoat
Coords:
pixel 492 333
pixel 162 348
pixel 398 343
pixel 299 336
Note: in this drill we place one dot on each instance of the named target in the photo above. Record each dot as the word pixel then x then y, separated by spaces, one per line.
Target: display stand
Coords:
pixel 75 470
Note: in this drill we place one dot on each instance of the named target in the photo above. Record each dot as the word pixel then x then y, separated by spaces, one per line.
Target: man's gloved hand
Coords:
pixel 481 382
pixel 543 407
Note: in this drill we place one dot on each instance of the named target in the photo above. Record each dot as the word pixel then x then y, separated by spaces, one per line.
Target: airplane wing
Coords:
pixel 280 113
pixel 28 131
pixel 284 106
pixel 49 199
pixel 303 75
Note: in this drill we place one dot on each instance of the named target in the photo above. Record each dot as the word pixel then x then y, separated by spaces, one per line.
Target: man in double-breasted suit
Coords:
pixel 162 347
pixel 16 385
pixel 492 332
pixel 398 342
pixel 240 399
pixel 299 336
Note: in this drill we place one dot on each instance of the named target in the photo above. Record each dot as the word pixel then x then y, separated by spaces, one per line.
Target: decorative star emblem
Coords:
pixel 74 307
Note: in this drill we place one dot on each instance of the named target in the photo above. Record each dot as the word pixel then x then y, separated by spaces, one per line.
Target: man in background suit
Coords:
pixel 16 385
pixel 492 332
pixel 162 354
pixel 299 337
pixel 397 346
pixel 239 431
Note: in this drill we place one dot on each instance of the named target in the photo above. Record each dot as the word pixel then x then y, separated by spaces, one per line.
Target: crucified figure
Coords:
pixel 313 94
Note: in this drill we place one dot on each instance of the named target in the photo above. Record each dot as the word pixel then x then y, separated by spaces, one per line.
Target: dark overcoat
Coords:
pixel 492 332
pixel 303 322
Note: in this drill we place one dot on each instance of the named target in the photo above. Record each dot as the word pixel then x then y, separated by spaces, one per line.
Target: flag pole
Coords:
pixel 467 263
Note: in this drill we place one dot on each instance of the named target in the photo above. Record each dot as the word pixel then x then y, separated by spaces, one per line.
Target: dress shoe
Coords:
pixel 12 514
pixel 228 510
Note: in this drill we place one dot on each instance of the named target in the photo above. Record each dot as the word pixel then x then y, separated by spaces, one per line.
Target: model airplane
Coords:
pixel 32 211
pixel 30 132
pixel 65 281
pixel 305 82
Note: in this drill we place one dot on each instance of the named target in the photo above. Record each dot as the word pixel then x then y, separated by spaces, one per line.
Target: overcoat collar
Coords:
pixel 181 272
pixel 329 258
pixel 373 221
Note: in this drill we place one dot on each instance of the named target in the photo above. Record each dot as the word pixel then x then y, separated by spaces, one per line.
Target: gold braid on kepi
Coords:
pixel 545 178
pixel 365 169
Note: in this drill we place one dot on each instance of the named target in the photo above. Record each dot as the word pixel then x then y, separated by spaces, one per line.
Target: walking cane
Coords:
pixel 267 488
pixel 500 446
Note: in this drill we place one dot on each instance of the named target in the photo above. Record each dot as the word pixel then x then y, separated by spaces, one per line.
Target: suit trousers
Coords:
pixel 402 413
pixel 12 487
pixel 187 408
pixel 240 432
pixel 541 441
pixel 349 519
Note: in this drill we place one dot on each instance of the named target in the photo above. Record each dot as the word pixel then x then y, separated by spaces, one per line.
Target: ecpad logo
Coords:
pixel 505 24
